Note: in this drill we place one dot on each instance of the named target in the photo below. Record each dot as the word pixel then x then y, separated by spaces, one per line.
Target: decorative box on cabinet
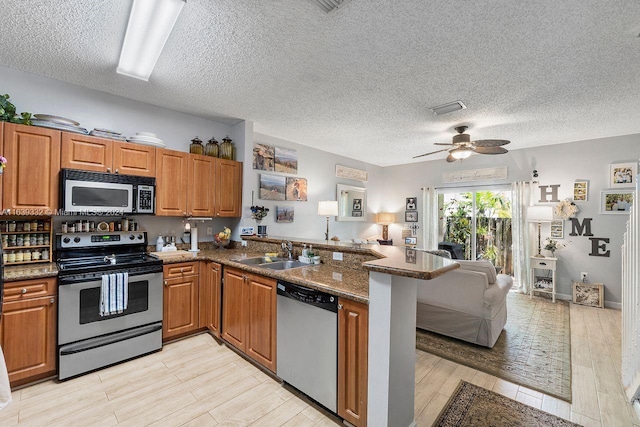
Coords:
pixel 29 311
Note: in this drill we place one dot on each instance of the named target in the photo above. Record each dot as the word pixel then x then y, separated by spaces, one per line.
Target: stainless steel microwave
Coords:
pixel 106 193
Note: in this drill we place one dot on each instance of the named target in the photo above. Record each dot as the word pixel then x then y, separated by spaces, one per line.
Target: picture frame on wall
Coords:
pixel 263 157
pixel 616 201
pixel 589 294
pixel 411 204
pixel 557 229
pixel 581 191
pixel 285 214
pixel 411 216
pixel 623 174
pixel 296 189
pixel 272 187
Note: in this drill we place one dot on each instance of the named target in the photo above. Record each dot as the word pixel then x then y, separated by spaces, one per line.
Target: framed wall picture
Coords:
pixel 591 294
pixel 286 160
pixel 616 201
pixel 272 187
pixel 263 157
pixel 411 204
pixel 284 213
pixel 247 231
pixel 296 189
pixel 411 216
pixel 557 229
pixel 580 191
pixel 623 174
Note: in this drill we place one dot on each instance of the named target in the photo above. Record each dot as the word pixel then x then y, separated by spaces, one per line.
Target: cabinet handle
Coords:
pixel 543 263
pixel 116 170
pixel 339 306
pixel 184 213
pixel 108 170
pixel 52 300
pixel 181 269
pixel 24 290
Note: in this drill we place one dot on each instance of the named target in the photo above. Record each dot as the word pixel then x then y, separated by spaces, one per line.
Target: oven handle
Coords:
pixel 110 339
pixel 81 284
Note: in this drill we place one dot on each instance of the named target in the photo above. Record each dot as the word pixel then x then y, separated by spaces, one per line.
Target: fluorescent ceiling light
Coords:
pixel 150 24
pixel 448 108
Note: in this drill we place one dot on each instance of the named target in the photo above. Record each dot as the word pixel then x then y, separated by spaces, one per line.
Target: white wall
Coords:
pixel 556 164
pixel 318 167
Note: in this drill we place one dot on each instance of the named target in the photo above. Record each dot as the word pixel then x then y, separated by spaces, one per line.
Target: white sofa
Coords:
pixel 468 303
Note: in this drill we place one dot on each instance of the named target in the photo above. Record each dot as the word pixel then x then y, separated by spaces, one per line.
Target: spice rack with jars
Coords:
pixel 26 240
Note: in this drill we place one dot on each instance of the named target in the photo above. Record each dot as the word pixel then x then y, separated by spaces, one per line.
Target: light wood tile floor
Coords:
pixel 198 382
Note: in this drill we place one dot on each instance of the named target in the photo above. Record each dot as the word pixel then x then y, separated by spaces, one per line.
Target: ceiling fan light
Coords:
pixel 461 153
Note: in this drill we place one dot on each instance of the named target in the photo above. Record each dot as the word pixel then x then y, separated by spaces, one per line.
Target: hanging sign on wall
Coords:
pixel 474 175
pixel 351 173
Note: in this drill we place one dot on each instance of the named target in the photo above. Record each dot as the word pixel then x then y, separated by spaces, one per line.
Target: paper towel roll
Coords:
pixel 194 239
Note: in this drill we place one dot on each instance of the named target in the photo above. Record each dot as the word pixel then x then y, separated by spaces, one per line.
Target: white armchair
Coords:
pixel 468 303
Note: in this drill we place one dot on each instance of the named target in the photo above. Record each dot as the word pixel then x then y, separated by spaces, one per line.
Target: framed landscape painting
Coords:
pixel 623 174
pixel 272 187
pixel 286 160
pixel 297 189
pixel 263 157
pixel 284 213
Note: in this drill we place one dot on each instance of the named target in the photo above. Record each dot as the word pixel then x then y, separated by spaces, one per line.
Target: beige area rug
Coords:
pixel 534 349
pixel 473 406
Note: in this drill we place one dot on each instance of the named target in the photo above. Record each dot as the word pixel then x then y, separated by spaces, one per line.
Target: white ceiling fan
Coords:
pixel 463 147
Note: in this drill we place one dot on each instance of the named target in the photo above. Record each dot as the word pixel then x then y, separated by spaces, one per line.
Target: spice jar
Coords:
pixel 226 148
pixel 5 240
pixel 34 239
pixel 45 253
pixel 212 149
pixel 46 239
pixel 71 228
pixel 196 146
pixel 36 255
pixel 19 256
pixel 65 228
pixel 40 240
pixel 11 257
pixel 26 256
pixel 19 240
pixel 12 226
pixel 46 226
pixel 34 225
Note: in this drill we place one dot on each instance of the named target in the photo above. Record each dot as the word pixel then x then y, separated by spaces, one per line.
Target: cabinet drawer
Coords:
pixel 180 270
pixel 547 264
pixel 17 291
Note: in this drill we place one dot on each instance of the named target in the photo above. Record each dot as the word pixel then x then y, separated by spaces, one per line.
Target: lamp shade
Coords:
pixel 328 208
pixel 386 218
pixel 539 214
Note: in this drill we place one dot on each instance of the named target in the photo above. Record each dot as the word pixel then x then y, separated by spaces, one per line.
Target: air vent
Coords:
pixel 448 108
pixel 329 5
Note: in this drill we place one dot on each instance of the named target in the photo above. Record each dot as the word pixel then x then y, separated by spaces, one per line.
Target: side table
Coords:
pixel 546 263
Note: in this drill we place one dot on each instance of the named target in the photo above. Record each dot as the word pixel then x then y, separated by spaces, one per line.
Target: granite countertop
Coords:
pixel 409 262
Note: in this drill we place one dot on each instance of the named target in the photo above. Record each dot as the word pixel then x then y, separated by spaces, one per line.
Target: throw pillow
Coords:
pixel 482 266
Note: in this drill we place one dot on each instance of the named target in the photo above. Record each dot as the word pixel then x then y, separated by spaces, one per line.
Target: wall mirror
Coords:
pixel 352 203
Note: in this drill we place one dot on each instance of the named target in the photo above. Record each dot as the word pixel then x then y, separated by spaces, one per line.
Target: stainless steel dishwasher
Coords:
pixel 308 342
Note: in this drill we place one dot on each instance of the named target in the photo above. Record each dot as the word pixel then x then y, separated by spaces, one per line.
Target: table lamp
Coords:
pixel 539 214
pixel 327 208
pixel 384 219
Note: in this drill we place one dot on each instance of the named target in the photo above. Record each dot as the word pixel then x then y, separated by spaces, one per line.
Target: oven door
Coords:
pixel 90 196
pixel 79 308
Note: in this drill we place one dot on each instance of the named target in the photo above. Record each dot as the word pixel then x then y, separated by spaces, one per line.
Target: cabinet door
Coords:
pixel 171 182
pixel 228 185
pixel 201 184
pixel 180 311
pixel 29 339
pixel 353 330
pixel 86 153
pixel 234 324
pixel 261 339
pixel 211 291
pixel 134 159
pixel 31 177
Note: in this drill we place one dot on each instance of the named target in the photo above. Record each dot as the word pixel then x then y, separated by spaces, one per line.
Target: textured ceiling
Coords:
pixel 359 81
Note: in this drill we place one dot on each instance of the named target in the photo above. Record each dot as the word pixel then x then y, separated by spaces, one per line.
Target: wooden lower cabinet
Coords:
pixel 181 300
pixel 249 315
pixel 353 331
pixel 210 295
pixel 28 330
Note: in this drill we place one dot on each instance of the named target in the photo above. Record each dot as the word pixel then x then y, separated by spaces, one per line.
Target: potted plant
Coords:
pixel 8 112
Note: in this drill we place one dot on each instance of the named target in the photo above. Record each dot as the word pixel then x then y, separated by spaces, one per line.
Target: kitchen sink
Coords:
pixel 257 260
pixel 283 265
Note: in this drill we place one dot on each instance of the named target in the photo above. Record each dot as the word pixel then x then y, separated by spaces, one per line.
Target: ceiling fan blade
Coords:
pixel 490 142
pixel 443 143
pixel 433 152
pixel 490 150
pixel 451 159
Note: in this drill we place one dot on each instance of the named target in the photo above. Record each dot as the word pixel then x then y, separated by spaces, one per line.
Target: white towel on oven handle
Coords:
pixel 114 293
pixel 104 296
pixel 122 291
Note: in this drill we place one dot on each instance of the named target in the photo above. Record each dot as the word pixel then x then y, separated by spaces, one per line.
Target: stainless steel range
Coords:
pixel 88 336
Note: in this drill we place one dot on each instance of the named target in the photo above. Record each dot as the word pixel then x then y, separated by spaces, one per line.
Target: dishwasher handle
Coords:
pixel 308 296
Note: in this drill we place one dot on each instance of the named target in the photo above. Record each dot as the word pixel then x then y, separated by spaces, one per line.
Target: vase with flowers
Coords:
pixel 552 245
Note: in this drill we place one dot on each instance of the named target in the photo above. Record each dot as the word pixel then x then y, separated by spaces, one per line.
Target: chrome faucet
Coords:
pixel 287 248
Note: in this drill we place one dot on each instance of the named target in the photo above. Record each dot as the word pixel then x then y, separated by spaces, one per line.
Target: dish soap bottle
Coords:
pixel 159 244
pixel 305 251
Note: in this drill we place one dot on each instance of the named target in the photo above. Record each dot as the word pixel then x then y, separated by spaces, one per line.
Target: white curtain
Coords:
pixel 520 234
pixel 430 218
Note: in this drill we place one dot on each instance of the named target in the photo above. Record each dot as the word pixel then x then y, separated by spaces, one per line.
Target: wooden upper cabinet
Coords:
pixel 31 177
pixel 171 182
pixel 134 159
pixel 107 155
pixel 353 333
pixel 228 194
pixel 86 153
pixel 201 185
